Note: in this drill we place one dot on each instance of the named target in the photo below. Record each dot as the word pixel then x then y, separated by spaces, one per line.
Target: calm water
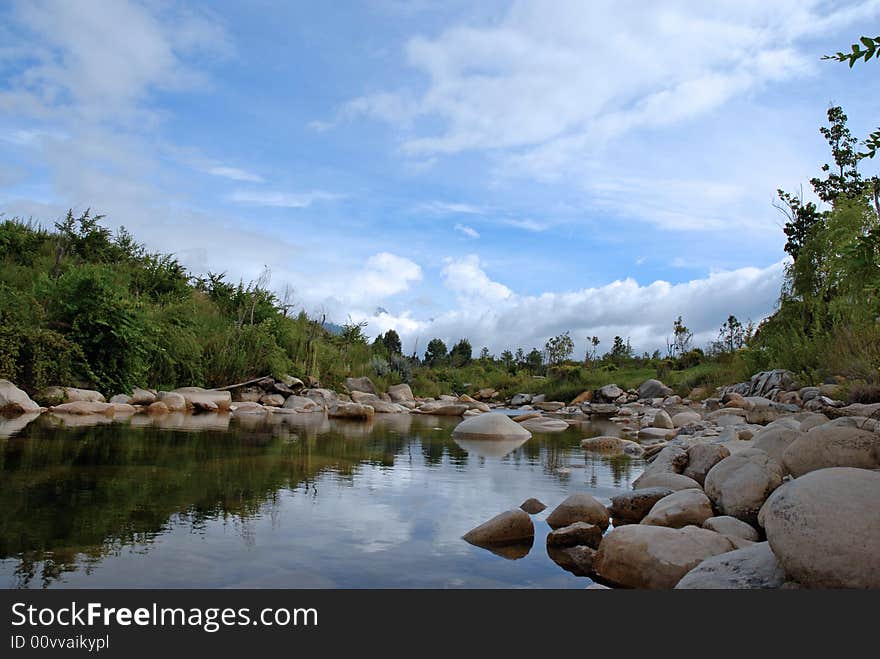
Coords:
pixel 290 502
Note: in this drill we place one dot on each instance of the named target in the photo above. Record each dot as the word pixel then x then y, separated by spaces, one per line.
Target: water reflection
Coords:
pixel 283 500
pixel 490 448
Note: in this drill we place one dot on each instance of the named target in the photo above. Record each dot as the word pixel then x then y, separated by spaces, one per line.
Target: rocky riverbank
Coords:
pixel 763 485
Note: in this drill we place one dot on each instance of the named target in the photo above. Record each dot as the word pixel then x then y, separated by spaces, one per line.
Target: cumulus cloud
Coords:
pixel 503 320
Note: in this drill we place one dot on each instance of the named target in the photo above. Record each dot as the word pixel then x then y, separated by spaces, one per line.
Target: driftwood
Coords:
pixel 230 387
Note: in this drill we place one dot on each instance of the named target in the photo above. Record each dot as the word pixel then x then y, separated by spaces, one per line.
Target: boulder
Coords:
pixel 400 392
pixel 351 411
pixel 577 560
pixel 120 399
pixel 655 434
pixel 549 406
pixel 752 567
pixel 810 422
pixel 665 480
pixel 774 441
pixel 158 408
pixel 604 409
pixel 83 407
pixel 739 484
pixel 655 557
pixel 653 389
pixel 510 527
pixel 579 507
pixel 583 397
pixel 443 408
pixel 579 533
pixel 670 460
pixel 175 402
pixel 825 528
pixel 686 418
pixel 532 506
pixel 520 399
pixel 327 398
pixel 631 507
pixel 142 397
pixel 302 404
pixel 364 385
pixel 57 395
pixel 731 526
pixel 662 420
pixel 121 409
pixel 272 400
pixel 609 393
pixel 544 424
pixel 293 383
pixel 832 446
pixel 701 458
pixel 490 426
pixel 205 399
pixel 680 509
pixel 15 401
pixel 614 445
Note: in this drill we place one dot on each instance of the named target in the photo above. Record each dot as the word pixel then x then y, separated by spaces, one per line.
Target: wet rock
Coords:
pixel 488 426
pixel 351 411
pixel 613 445
pixel 755 566
pixel 825 528
pixel 731 526
pixel 302 404
pixel 158 408
pixel 832 446
pixel 680 509
pixel 577 560
pixel 655 557
pixel 544 424
pixel 83 407
pixel 175 402
pixel 579 507
pixel 666 480
pixel 631 507
pixel 15 401
pixel 509 527
pixel 532 506
pixel 701 458
pixel 739 484
pixel 579 533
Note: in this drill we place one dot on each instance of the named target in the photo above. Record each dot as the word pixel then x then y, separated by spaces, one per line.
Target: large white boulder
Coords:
pixel 825 528
pixel 15 401
pixel 489 426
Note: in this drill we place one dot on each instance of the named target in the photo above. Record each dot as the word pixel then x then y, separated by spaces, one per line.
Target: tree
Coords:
pixel 435 354
pixel 731 336
pixel 484 354
pixel 461 353
pixel 620 351
pixel 520 358
pixel 592 346
pixel 391 341
pixel 801 219
pixel 843 177
pixel 682 337
pixel 559 348
pixel 534 360
pixel 507 360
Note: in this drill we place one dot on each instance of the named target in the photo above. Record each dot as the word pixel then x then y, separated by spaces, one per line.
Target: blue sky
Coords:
pixel 501 171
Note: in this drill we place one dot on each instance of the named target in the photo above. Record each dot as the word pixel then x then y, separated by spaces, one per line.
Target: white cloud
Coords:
pixel 452 208
pixel 234 173
pixel 470 232
pixel 527 225
pixel 282 199
pixel 490 314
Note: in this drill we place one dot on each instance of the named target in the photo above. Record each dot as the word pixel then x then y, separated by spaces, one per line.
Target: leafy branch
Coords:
pixel 871 49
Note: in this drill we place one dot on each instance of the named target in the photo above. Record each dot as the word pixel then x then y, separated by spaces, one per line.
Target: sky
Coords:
pixel 501 171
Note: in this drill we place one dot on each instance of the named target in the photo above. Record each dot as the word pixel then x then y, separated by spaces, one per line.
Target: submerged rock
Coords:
pixel 544 424
pixel 532 506
pixel 577 560
pixel 579 507
pixel 606 444
pixel 510 527
pixel 579 533
pixel 489 426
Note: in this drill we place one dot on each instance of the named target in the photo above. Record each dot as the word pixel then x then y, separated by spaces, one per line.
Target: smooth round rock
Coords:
pixel 631 507
pixel 579 507
pixel 731 526
pixel 752 567
pixel 509 527
pixel 680 509
pixel 739 484
pixel 825 528
pixel 490 425
pixel 832 446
